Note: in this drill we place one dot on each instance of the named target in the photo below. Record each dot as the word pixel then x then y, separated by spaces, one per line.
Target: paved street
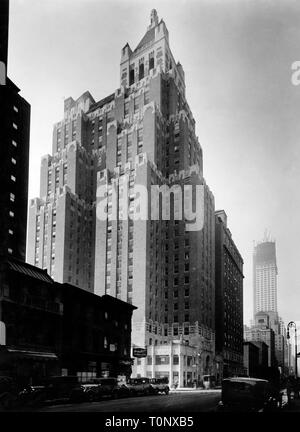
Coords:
pixel 174 402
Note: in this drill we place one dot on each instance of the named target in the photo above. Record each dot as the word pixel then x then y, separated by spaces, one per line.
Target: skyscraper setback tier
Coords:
pixel 140 136
pixel 265 277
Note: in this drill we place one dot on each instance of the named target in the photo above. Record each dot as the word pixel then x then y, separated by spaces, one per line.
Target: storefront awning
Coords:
pixel 32 354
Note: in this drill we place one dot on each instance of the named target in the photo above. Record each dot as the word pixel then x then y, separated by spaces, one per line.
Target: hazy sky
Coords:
pixel 237 58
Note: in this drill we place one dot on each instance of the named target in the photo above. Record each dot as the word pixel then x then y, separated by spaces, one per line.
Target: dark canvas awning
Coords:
pixel 32 354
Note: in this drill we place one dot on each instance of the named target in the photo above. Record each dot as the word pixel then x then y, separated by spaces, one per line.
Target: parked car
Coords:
pixel 159 385
pixel 106 388
pixel 63 388
pixel 140 386
pixel 32 395
pixel 122 390
pixel 130 388
pixel 90 392
pixel 248 394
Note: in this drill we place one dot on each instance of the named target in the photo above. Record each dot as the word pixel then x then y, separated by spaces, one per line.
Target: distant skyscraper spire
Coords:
pixel 267 236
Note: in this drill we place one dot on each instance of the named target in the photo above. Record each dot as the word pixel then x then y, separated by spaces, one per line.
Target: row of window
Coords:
pixel 165 359
pixel 141 69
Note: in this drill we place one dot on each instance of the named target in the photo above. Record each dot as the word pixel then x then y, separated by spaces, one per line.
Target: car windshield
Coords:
pixel 240 387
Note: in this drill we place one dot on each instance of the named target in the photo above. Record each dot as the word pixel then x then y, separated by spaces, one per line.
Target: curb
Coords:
pixel 184 390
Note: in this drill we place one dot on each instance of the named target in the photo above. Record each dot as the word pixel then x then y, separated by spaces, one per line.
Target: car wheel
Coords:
pixel 167 391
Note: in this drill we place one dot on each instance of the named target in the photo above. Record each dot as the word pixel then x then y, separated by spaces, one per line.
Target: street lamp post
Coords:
pixel 293 324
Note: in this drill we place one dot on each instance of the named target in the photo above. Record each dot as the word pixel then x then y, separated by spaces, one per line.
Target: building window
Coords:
pixel 131 75
pixel 11 214
pixel 13 160
pixel 13 178
pixel 162 359
pixel 129 146
pixel 16 109
pixel 139 140
pixel 15 126
pixel 14 143
pixel 12 197
pixel 126 108
pixel 136 104
pixel 141 69
pixel 146 97
pixel 151 60
pixel 10 251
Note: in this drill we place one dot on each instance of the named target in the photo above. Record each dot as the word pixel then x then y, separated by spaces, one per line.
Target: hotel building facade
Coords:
pixel 105 155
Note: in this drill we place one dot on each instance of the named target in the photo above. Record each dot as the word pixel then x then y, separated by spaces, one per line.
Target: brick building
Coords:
pixel 30 322
pixel 47 328
pixel 229 301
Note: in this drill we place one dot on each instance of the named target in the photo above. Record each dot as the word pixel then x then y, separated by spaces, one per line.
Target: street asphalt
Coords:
pixel 175 402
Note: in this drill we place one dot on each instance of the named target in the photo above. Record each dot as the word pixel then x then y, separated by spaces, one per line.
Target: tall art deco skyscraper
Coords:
pixel 140 136
pixel 265 277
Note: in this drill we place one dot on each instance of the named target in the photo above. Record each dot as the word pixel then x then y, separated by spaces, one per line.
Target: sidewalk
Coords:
pixel 194 390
